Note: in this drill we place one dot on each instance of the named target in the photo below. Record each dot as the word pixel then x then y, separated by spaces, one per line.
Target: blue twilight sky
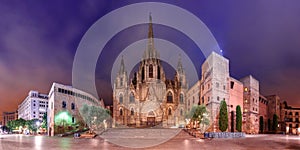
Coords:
pixel 38 41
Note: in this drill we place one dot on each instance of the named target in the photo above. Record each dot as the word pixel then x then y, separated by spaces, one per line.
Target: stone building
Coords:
pixel 193 96
pixel 34 106
pixel 214 85
pixel 264 112
pixel 9 116
pixel 274 106
pixel 251 104
pixel 290 119
pixel 149 99
pixel 235 99
pixel 64 104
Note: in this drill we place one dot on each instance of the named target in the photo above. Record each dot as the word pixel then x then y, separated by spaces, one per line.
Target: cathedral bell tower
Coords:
pixel 122 78
pixel 150 69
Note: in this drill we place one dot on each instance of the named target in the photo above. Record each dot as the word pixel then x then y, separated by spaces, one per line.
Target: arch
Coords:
pixel 131 111
pixel 181 99
pixel 169 111
pixel 151 113
pixel 64 104
pixel 121 112
pixel 150 71
pixel 72 106
pixel 169 97
pixel 131 97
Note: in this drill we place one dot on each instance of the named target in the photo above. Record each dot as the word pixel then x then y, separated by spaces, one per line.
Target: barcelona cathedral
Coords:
pixel 149 99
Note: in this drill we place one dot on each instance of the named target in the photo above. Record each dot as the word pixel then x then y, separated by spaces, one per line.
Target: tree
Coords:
pixel 238 118
pixel 94 116
pixel 44 122
pixel 275 122
pixel 261 124
pixel 223 116
pixel 32 125
pixel 199 114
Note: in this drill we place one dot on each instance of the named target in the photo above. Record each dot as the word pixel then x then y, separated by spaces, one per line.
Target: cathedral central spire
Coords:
pixel 150 51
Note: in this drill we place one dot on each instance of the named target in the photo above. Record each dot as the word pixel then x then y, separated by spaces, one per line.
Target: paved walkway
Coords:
pixel 181 141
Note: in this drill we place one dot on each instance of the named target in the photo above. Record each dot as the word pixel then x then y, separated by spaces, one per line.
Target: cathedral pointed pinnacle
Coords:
pixel 150 52
pixel 122 67
pixel 179 65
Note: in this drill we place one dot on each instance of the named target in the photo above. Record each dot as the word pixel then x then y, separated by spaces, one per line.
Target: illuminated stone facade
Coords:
pixel 251 104
pixel 64 105
pixel 149 99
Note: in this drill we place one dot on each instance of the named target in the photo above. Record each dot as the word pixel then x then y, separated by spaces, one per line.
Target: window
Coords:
pixel 131 98
pixel 169 111
pixel 121 112
pixel 143 74
pixel 121 99
pixel 169 97
pixel 64 104
pixel 151 71
pixel 72 106
pixel 181 98
pixel 189 102
pixel 208 98
pixel 218 98
pixel 208 86
pixel 131 112
pixel 73 120
pixel 121 81
pixel 217 84
pixel 202 100
pixel 246 89
pixel 231 84
pixel 297 113
pixel 193 100
pixel 158 72
pixel 181 112
pixel 224 87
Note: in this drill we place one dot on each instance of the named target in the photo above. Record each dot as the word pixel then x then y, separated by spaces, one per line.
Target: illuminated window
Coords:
pixel 246 89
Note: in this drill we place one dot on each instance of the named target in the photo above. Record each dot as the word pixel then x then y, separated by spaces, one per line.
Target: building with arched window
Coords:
pixel 148 98
pixel 64 104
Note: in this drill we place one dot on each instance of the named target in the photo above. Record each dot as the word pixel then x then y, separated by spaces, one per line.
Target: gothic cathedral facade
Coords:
pixel 149 99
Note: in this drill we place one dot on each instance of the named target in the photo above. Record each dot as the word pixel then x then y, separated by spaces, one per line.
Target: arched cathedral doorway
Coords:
pixel 151 119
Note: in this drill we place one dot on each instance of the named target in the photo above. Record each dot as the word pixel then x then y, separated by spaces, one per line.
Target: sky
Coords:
pixel 38 42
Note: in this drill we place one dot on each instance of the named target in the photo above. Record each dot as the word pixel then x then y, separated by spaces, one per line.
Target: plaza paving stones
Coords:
pixel 181 141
